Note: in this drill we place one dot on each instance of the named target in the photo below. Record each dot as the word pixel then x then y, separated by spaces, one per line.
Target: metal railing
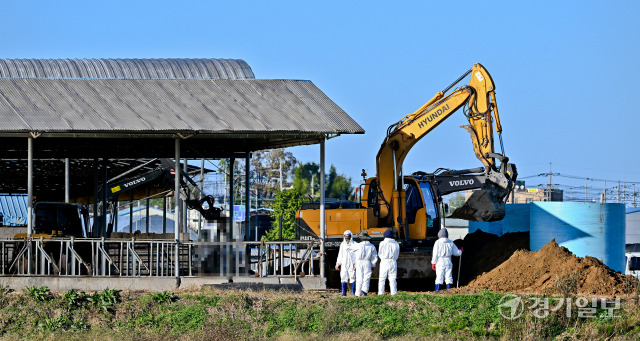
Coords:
pixel 98 257
pixel 285 258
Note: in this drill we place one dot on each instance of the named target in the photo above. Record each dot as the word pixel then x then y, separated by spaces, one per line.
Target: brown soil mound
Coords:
pixel 544 270
pixel 484 252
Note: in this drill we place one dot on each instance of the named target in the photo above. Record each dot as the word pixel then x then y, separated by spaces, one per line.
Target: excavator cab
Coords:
pixel 431 208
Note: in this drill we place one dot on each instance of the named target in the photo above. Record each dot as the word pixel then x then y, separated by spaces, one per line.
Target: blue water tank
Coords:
pixel 494 227
pixel 586 229
pixel 516 219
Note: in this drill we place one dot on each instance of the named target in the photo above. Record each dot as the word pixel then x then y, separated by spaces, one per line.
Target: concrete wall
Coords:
pixel 457 228
pixel 152 284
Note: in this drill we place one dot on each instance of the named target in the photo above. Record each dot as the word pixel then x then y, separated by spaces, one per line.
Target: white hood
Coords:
pixel 349 233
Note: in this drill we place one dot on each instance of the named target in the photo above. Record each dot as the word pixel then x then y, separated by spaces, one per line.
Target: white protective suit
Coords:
pixel 388 252
pixel 347 260
pixel 443 249
pixel 366 258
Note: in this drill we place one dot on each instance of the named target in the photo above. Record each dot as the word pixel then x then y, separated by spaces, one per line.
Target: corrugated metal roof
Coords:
pixel 179 68
pixel 78 106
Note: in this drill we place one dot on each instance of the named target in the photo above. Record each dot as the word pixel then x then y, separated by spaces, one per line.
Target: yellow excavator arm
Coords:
pixel 478 98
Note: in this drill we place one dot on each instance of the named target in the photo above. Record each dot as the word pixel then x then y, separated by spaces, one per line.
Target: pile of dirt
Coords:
pixel 544 270
pixel 484 252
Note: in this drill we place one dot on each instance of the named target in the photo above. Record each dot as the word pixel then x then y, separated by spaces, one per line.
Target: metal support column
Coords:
pixel 232 199
pixel 103 211
pixel 95 229
pixel 67 182
pixel 232 223
pixel 117 213
pixel 147 217
pixel 247 196
pixel 322 212
pixel 131 214
pixel 177 220
pixel 185 211
pixel 164 214
pixel 29 199
pixel 201 195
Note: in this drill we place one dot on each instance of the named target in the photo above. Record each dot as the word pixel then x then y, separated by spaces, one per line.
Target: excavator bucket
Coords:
pixel 485 204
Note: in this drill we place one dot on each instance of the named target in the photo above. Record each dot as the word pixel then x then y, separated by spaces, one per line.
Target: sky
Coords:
pixel 564 70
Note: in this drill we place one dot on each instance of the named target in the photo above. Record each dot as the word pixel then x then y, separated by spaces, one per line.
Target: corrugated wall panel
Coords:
pixel 14 209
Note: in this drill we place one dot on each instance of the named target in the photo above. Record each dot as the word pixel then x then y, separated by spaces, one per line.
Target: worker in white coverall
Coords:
pixel 366 259
pixel 443 249
pixel 388 252
pixel 347 259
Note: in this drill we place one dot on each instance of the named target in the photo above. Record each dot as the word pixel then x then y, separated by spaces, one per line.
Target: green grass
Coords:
pixel 38 313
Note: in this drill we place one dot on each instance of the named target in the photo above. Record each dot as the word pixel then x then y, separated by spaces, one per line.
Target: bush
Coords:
pixel 163 297
pixel 39 293
pixel 105 300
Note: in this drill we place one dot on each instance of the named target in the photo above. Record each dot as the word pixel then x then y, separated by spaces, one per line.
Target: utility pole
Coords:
pixel 550 184
pixel 547 194
pixel 570 193
pixel 618 191
pixel 634 195
pixel 585 189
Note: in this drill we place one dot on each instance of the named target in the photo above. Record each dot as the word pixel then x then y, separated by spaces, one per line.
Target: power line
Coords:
pixel 575 177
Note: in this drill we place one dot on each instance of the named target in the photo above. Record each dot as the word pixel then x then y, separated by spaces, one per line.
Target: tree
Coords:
pixel 268 168
pixel 238 178
pixel 286 204
pixel 306 180
pixel 338 185
pixel 456 200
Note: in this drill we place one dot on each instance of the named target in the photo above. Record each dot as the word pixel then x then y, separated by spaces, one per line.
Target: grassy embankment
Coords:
pixel 208 314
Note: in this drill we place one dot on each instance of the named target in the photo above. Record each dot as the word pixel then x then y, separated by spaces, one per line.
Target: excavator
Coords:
pixel 56 219
pixel 165 174
pixel 412 205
